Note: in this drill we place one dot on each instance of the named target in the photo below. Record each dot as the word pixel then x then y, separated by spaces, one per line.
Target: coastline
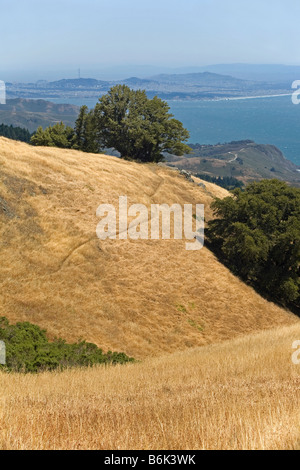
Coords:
pixel 235 98
pixel 251 97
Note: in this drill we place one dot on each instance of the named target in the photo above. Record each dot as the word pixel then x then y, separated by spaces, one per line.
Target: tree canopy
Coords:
pixel 58 135
pixel 257 233
pixel 85 137
pixel 128 121
pixel 15 133
pixel 138 127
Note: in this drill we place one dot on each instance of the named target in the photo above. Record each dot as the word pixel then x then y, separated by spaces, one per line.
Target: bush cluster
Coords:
pixel 257 234
pixel 29 350
pixel 227 182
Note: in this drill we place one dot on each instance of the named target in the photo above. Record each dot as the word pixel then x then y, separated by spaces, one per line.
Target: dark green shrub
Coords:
pixel 28 350
pixel 257 234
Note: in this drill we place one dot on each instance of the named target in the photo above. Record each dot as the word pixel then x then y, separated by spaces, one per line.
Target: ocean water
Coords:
pixel 273 120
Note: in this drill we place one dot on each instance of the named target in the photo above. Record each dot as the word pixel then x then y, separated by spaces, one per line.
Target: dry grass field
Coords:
pixel 241 394
pixel 215 368
pixel 141 297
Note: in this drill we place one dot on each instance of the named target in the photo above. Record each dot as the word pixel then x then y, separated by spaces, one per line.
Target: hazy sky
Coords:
pixel 57 35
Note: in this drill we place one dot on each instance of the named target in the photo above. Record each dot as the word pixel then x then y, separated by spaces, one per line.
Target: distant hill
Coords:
pixel 271 73
pixel 141 83
pixel 83 83
pixel 31 114
pixel 143 297
pixel 201 79
pixel 245 160
pixel 200 85
pixel 194 85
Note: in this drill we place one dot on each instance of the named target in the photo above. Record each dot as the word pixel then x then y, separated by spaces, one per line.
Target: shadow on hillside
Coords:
pixel 292 307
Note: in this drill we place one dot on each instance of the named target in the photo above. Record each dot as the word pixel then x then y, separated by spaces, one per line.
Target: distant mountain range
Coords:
pixel 200 85
pixel 272 73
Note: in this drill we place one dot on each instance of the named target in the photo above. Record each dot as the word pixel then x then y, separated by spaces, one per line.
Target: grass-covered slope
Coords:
pixel 139 297
pixel 241 394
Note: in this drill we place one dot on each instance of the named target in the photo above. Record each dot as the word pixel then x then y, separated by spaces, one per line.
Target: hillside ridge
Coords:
pixel 246 161
pixel 31 114
pixel 143 297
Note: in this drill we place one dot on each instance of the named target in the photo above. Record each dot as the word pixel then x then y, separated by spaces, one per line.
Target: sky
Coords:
pixel 43 38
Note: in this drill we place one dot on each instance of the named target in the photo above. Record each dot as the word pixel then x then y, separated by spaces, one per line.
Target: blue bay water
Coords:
pixel 272 120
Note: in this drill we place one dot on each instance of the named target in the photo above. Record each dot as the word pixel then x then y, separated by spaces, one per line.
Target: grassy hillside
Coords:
pixel 141 297
pixel 34 113
pixel 242 394
pixel 245 160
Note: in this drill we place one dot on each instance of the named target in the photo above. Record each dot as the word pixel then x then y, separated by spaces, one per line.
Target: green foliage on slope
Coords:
pixel 128 121
pixel 257 234
pixel 59 135
pixel 15 133
pixel 29 350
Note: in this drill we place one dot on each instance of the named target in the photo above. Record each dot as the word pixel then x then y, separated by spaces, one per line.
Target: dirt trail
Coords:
pixel 235 156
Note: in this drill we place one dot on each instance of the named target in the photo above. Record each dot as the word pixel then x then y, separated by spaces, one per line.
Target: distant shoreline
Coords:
pixel 251 97
pixel 235 98
pixel 67 100
pixel 214 100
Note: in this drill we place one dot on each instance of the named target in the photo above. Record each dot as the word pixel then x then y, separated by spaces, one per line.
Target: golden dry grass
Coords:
pixel 146 298
pixel 141 297
pixel 241 394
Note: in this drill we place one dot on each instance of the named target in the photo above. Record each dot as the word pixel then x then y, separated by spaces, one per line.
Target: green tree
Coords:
pixel 15 133
pixel 257 233
pixel 41 138
pixel 85 138
pixel 137 127
pixel 58 135
pixel 79 127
